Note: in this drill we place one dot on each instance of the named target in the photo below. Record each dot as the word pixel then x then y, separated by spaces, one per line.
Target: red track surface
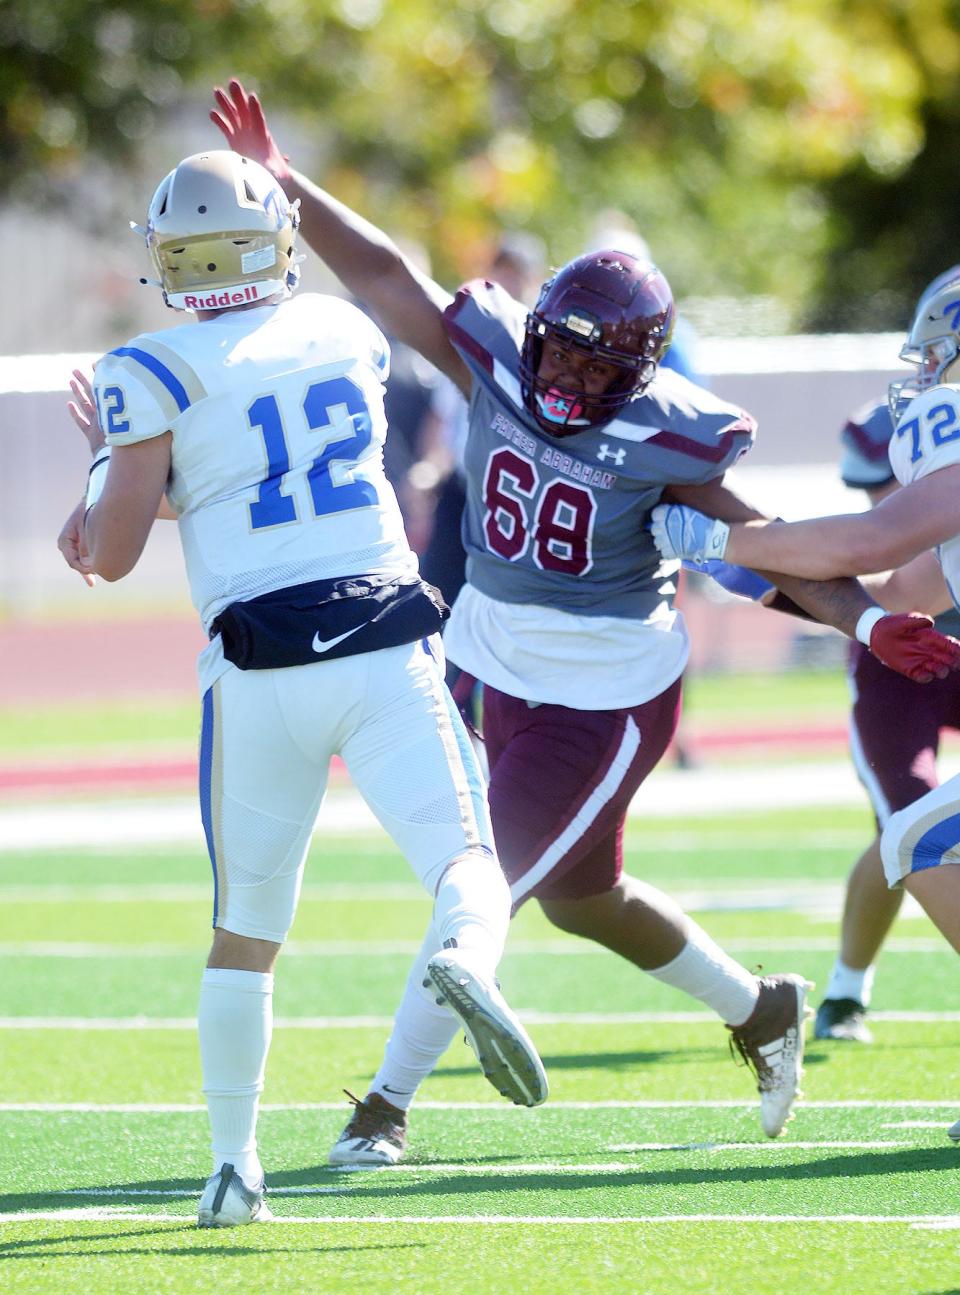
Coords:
pixel 179 773
pixel 80 660
pixel 51 662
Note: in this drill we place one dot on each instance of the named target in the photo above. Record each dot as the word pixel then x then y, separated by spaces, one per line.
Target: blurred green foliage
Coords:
pixel 794 149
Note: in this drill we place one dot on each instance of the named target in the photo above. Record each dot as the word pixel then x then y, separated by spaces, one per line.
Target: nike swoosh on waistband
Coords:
pixel 324 645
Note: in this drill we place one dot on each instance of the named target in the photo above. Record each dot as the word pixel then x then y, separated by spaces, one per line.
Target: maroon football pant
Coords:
pixel 561 782
pixel 895 730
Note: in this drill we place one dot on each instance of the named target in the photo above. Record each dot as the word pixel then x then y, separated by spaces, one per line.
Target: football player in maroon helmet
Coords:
pixel 593 340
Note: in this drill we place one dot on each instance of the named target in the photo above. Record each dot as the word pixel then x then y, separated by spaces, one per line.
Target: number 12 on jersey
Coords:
pixel 329 406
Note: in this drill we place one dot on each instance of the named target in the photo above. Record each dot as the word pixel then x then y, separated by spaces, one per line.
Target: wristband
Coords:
pixel 866 623
pixel 97 477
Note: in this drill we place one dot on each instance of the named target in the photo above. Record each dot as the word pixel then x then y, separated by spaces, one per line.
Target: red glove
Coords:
pixel 245 129
pixel 908 643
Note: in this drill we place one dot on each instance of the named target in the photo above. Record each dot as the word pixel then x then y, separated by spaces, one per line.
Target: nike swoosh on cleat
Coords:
pixel 324 645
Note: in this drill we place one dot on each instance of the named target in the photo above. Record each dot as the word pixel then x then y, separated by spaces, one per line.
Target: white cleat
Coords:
pixel 504 1049
pixel 227 1202
pixel 771 1043
pixel 953 1133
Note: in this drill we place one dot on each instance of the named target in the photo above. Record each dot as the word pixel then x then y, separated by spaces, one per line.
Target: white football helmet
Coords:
pixel 221 233
pixel 933 342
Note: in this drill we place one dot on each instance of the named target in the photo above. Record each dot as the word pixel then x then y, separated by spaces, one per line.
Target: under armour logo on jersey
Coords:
pixel 605 452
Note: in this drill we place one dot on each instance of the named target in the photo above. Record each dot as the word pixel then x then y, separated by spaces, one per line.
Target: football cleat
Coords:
pixel 842 1018
pixel 376 1134
pixel 771 1043
pixel 227 1202
pixel 502 1046
pixel 953 1133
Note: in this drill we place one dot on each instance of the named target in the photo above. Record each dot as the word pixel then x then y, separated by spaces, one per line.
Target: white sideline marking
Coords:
pixel 692 793
pixel 384 1022
pixel 408 948
pixel 131 1215
pixel 166 1108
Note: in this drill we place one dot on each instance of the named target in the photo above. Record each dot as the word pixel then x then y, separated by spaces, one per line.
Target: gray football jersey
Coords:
pixel 561 521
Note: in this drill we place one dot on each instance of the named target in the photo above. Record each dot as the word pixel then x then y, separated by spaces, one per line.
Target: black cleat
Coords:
pixel 375 1135
pixel 842 1018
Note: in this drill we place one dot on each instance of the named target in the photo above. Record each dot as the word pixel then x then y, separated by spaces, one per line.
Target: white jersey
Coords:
pixel 277 454
pixel 926 439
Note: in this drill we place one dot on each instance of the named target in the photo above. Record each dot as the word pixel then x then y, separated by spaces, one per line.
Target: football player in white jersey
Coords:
pixel 914 534
pixel 262 423
pixel 566 616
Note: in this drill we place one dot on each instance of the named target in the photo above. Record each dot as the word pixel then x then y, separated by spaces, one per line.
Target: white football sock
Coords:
pixel 851 982
pixel 702 969
pixel 422 1032
pixel 235 1020
pixel 472 907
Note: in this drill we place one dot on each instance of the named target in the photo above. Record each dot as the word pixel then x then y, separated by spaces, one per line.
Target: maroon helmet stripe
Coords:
pixel 870 449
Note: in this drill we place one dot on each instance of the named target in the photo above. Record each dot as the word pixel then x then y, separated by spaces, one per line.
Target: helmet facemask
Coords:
pixel 933 343
pixel 608 307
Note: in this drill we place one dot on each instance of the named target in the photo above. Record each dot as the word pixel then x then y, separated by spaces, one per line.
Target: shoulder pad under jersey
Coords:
pixel 694 434
pixel 142 388
pixel 486 325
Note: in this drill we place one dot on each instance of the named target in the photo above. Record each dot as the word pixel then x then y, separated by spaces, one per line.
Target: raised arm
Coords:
pixel 407 302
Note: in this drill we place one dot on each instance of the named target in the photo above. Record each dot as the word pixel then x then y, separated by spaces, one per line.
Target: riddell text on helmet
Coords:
pixel 227 298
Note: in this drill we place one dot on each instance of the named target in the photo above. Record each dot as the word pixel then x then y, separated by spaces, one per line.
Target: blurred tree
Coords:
pixel 79 76
pixel 762 146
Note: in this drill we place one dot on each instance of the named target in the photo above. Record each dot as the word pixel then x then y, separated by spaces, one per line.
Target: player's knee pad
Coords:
pixel 258 872
pixel 261 912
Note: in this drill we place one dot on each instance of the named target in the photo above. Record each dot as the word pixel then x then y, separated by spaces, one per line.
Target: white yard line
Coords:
pixel 195 892
pixel 698 792
pixel 189 1108
pixel 811 899
pixel 913 1124
pixel 578 1019
pixel 131 1215
pixel 408 948
pixel 775 1145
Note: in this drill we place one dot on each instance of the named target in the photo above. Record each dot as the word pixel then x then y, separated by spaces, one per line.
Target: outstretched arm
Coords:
pixel 918 586
pixel 367 262
pixel 839 603
pixel 903 525
pixel 906 642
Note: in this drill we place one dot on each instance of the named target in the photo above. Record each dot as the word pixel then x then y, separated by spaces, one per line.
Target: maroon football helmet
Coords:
pixel 616 309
